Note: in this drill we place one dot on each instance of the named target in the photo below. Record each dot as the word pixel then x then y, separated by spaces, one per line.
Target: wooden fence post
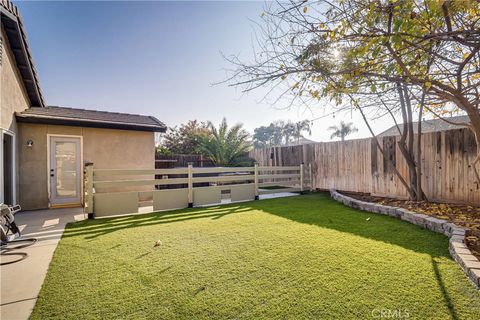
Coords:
pixel 256 181
pixel 301 177
pixel 190 185
pixel 310 176
pixel 88 208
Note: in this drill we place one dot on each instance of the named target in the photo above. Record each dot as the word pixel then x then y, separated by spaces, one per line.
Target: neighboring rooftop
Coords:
pixel 298 142
pixel 431 126
pixel 17 39
pixel 90 118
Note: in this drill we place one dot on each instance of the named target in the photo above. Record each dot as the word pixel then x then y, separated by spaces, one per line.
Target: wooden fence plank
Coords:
pixel 359 166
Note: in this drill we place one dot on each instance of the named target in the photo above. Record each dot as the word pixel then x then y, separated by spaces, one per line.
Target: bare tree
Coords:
pixel 377 56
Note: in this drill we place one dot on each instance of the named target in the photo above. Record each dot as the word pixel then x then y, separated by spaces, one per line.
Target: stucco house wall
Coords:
pixel 105 148
pixel 13 97
pixel 110 140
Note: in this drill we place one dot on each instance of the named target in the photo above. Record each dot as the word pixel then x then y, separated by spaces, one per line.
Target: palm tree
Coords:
pixel 343 130
pixel 226 147
pixel 300 127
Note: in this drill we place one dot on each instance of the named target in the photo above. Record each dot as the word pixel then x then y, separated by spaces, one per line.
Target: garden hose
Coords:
pixel 5 249
pixel 23 256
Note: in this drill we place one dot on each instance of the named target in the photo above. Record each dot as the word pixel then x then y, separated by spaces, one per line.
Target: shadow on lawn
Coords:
pixel 92 229
pixel 322 211
pixel 314 209
pixel 443 290
pixel 390 230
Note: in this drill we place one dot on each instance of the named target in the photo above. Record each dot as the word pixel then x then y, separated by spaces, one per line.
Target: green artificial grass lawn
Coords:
pixel 288 258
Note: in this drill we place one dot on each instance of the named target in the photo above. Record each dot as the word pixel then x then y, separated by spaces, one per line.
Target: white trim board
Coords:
pixel 14 165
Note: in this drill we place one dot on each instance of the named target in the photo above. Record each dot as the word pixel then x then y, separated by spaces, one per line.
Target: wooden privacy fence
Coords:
pixel 115 192
pixel 359 166
pixel 181 160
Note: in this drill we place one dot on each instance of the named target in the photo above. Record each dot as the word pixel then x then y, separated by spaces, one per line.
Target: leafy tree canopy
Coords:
pixel 185 139
pixel 280 132
pixel 372 54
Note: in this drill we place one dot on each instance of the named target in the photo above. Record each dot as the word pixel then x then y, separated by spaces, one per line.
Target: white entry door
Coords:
pixel 65 170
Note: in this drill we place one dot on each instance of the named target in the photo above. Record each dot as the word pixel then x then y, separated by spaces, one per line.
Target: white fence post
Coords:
pixel 301 177
pixel 89 190
pixel 256 181
pixel 190 185
pixel 108 202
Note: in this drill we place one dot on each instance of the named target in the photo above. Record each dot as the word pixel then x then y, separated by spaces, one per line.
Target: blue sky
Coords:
pixel 154 58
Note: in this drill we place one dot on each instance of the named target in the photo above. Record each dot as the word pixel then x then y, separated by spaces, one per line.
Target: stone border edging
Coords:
pixel 456 234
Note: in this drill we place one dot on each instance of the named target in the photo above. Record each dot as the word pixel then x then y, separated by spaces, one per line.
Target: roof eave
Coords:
pixel 36 119
pixel 16 35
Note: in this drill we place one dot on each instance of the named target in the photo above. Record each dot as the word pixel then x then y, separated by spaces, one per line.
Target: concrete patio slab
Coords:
pixel 21 281
pixel 278 195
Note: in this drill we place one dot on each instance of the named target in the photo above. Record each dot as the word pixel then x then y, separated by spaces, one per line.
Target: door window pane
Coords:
pixel 66 167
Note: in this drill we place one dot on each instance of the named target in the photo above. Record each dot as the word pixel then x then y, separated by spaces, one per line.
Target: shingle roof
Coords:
pixel 17 40
pixel 430 126
pixel 298 142
pixel 90 118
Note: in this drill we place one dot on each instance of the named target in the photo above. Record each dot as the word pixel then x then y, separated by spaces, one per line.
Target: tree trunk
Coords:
pixel 404 149
pixel 474 117
pixel 420 195
pixel 402 180
pixel 413 171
